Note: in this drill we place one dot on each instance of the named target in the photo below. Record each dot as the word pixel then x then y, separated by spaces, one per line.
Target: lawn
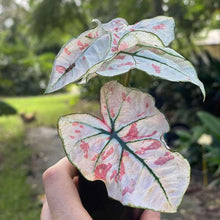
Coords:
pixel 47 108
pixel 17 199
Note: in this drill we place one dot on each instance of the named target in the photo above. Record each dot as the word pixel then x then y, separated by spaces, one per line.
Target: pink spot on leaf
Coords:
pixel 130 188
pixel 108 153
pixel 123 96
pixel 90 35
pixel 118 21
pixel 75 123
pixel 125 153
pixel 119 57
pixel 126 64
pixel 141 114
pixel 114 175
pixel 72 137
pixel 81 45
pixel 162 160
pixel 95 157
pixel 102 170
pixel 110 68
pixel 147 105
pixel 150 135
pixel 122 171
pixel 67 51
pixel 132 133
pixel 123 46
pixel 154 146
pixel 112 113
pixel 77 131
pixel 60 69
pixel 128 99
pixel 159 27
pixel 85 147
pixel 156 68
pixel 81 126
pixel 118 176
pixel 114 49
pixel 116 36
pixel 129 64
pixel 115 42
pixel 84 57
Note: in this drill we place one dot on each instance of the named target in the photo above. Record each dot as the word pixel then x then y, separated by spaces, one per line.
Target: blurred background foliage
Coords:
pixel 33 31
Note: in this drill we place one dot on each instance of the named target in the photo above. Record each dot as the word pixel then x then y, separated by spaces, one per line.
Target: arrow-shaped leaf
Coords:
pixel 126 150
pixel 77 56
pixel 86 55
pixel 161 62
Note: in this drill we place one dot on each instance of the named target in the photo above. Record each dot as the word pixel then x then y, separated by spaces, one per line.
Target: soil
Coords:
pixel 197 204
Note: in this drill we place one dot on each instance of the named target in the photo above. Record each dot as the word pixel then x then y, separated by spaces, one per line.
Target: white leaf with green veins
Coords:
pixel 125 149
pixel 143 46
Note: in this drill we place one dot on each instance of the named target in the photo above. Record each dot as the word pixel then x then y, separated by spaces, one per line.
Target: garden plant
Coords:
pixel 125 148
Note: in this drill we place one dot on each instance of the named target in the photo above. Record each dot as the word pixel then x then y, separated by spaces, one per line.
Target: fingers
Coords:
pixel 150 215
pixel 45 212
pixel 62 194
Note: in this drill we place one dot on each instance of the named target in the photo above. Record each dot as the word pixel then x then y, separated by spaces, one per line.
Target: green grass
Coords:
pixel 15 194
pixel 17 199
pixel 48 108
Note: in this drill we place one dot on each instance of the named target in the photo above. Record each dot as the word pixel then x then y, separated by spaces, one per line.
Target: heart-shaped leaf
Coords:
pixel 126 150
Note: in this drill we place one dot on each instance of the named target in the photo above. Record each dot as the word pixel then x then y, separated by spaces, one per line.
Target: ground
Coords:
pixel 197 204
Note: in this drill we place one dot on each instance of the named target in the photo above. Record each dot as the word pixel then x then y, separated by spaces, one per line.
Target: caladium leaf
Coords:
pixel 90 53
pixel 74 59
pixel 157 61
pixel 126 150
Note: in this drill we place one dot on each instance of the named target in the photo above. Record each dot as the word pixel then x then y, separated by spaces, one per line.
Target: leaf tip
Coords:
pixel 202 88
pixel 48 90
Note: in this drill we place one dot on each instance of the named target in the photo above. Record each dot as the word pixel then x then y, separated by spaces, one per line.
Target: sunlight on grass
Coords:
pixel 48 108
pixel 10 126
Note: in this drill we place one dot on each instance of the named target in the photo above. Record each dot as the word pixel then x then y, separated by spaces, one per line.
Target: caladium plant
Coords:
pixel 116 47
pixel 125 148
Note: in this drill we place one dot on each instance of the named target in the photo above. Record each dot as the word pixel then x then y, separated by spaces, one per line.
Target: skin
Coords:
pixel 62 200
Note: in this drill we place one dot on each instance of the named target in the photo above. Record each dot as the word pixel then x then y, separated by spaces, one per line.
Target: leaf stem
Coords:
pixel 126 78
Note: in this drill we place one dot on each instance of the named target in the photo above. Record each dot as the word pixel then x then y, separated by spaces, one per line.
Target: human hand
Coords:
pixel 62 200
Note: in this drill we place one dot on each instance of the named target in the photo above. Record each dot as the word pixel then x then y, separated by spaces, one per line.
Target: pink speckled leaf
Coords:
pixel 116 47
pixel 161 27
pixel 82 56
pixel 157 61
pixel 126 150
